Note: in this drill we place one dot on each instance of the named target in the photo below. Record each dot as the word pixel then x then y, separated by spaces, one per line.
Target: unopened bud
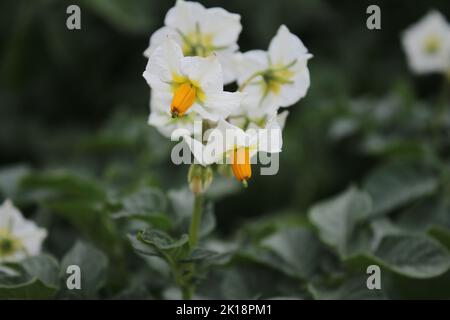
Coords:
pixel 199 178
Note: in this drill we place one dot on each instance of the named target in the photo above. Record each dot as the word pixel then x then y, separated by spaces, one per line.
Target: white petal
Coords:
pixel 231 136
pixel 197 149
pixel 30 235
pixel 290 93
pixel 249 63
pixel 223 26
pixel 222 104
pixel 286 47
pixel 270 138
pixel 10 216
pixel 158 38
pixel 164 63
pixel 228 63
pixel 281 118
pixel 204 72
pixel 184 16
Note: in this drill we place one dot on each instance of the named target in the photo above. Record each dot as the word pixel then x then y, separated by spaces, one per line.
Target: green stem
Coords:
pixel 186 292
pixel 196 219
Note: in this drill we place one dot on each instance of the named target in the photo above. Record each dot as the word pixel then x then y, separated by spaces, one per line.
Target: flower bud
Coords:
pixel 199 178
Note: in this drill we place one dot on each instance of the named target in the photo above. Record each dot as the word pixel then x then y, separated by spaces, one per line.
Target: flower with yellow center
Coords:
pixel 427 44
pixel 274 78
pixel 230 144
pixel 200 32
pixel 19 237
pixel 195 84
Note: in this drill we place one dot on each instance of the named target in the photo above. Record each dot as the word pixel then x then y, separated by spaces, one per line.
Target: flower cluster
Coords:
pixel 190 60
pixel 427 44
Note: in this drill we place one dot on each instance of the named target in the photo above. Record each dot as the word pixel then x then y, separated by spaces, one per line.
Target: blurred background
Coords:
pixel 76 101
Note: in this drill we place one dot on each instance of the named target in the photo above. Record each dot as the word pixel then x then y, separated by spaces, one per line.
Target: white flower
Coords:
pixel 274 78
pixel 19 237
pixel 427 44
pixel 235 146
pixel 200 32
pixel 194 83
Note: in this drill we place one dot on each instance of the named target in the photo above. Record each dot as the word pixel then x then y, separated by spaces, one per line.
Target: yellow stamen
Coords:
pixel 8 243
pixel 432 44
pixel 240 164
pixel 183 99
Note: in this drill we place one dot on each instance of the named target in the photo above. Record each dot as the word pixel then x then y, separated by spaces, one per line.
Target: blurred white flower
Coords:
pixel 230 144
pixel 194 83
pixel 200 32
pixel 427 44
pixel 19 238
pixel 274 78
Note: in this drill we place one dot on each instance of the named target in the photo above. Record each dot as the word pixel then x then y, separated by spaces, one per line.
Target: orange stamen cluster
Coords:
pixel 240 164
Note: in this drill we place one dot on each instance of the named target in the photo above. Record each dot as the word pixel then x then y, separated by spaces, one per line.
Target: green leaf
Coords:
pixel 440 234
pixel 33 278
pixel 148 204
pixel 34 289
pixel 353 288
pixel 207 257
pixel 93 265
pixel 397 184
pixel 80 200
pixel 163 245
pixel 336 219
pixel 62 184
pixel 298 248
pixel 420 216
pixel 44 268
pixel 255 281
pixel 413 255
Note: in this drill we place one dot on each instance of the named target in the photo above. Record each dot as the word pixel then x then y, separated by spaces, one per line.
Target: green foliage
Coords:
pixel 33 278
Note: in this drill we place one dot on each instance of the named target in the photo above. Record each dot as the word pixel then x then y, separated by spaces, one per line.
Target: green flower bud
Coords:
pixel 199 178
